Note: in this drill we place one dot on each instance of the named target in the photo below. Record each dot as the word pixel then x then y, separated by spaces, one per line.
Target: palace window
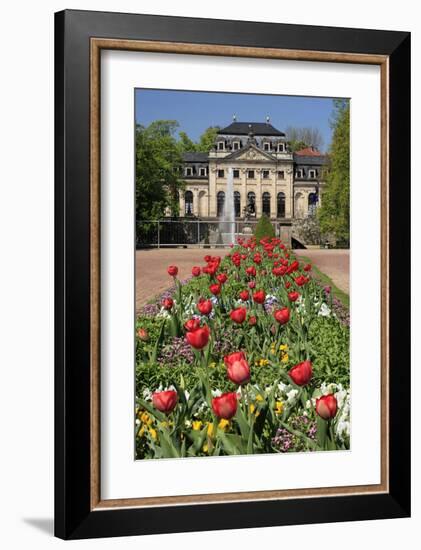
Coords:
pixel 281 174
pixel 251 203
pixel 281 147
pixel 221 146
pixel 266 203
pixel 202 171
pixel 266 146
pixel 265 174
pixel 250 174
pixel 220 202
pixel 221 173
pixel 237 204
pixel 189 171
pixel 312 203
pixel 312 174
pixel 188 203
pixel 235 145
pixel 280 205
pixel 299 173
pixel 236 173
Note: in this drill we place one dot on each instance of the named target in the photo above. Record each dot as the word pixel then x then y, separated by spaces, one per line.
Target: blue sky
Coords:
pixel 195 111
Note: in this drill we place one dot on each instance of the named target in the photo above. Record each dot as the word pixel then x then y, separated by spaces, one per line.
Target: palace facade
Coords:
pixel 267 177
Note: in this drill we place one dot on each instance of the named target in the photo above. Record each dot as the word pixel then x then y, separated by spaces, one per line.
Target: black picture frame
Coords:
pixel 74 517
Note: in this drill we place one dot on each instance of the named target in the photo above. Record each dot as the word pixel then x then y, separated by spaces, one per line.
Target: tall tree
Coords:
pixel 207 139
pixel 304 137
pixel 158 170
pixel 334 212
pixel 185 144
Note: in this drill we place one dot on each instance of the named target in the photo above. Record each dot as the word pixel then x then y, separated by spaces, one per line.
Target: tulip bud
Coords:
pixel 192 324
pixel 301 374
pixel 204 306
pixel 282 315
pixel 195 271
pixel 293 296
pixel 167 303
pixel 199 337
pixel 259 296
pixel 252 321
pixel 172 270
pixel 225 406
pixel 326 406
pixel 238 315
pixel 244 295
pixel 215 289
pixel 165 401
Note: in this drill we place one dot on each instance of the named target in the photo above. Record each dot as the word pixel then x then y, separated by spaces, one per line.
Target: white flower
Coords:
pixel 324 310
pixel 291 396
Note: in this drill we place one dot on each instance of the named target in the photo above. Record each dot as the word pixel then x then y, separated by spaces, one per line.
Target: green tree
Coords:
pixel 158 171
pixel 207 139
pixel 185 144
pixel 264 228
pixel 334 212
pixel 299 138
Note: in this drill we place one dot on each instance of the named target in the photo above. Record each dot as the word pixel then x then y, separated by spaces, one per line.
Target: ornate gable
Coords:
pixel 251 153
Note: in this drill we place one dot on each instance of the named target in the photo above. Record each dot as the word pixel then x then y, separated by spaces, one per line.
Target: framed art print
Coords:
pixel 232 274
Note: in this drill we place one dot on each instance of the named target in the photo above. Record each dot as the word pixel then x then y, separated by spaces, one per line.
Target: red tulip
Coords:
pixel 293 296
pixel 307 267
pixel 222 278
pixel 204 306
pixel 301 373
pixel 192 324
pixel 198 338
pixel 293 267
pixel 238 369
pixel 195 271
pixel 215 289
pixel 225 406
pixel 172 270
pixel 244 295
pixel 238 315
pixel 282 315
pixel 301 280
pixel 287 284
pixel 252 284
pixel 251 271
pixel 165 401
pixel 143 335
pixel 252 321
pixel 326 406
pixel 207 258
pixel 167 303
pixel 259 296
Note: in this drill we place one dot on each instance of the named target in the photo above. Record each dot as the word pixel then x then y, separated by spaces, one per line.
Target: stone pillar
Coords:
pixel 243 190
pixel 182 204
pixel 273 196
pixel 196 202
pixel 212 190
pixel 259 193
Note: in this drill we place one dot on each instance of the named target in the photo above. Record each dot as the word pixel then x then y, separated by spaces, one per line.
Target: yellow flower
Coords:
pixel 252 408
pixel 205 448
pixel 283 347
pixel 279 407
pixel 223 424
pixel 263 362
pixel 153 433
pixel 213 365
pixel 285 358
pixel 210 428
pixel 145 418
pixel 141 431
pixel 196 424
pixel 164 424
pixel 259 397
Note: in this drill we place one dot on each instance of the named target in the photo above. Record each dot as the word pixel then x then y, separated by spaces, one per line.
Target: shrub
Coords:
pixel 264 228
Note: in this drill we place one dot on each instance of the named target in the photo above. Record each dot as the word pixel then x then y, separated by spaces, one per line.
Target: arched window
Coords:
pixel 220 201
pixel 237 204
pixel 188 203
pixel 251 203
pixel 280 205
pixel 266 203
pixel 312 203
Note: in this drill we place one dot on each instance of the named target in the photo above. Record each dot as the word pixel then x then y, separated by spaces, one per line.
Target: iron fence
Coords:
pixel 167 233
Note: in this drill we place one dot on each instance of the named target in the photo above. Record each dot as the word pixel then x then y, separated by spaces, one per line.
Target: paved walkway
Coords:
pixel 334 263
pixel 152 277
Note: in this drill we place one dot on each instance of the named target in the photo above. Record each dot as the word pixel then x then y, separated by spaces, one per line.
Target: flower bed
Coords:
pixel 250 355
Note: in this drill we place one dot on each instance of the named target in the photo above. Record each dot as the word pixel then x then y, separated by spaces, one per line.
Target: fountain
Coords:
pixel 227 220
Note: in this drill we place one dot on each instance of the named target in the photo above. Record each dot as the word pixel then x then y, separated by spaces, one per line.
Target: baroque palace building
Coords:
pixel 267 177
